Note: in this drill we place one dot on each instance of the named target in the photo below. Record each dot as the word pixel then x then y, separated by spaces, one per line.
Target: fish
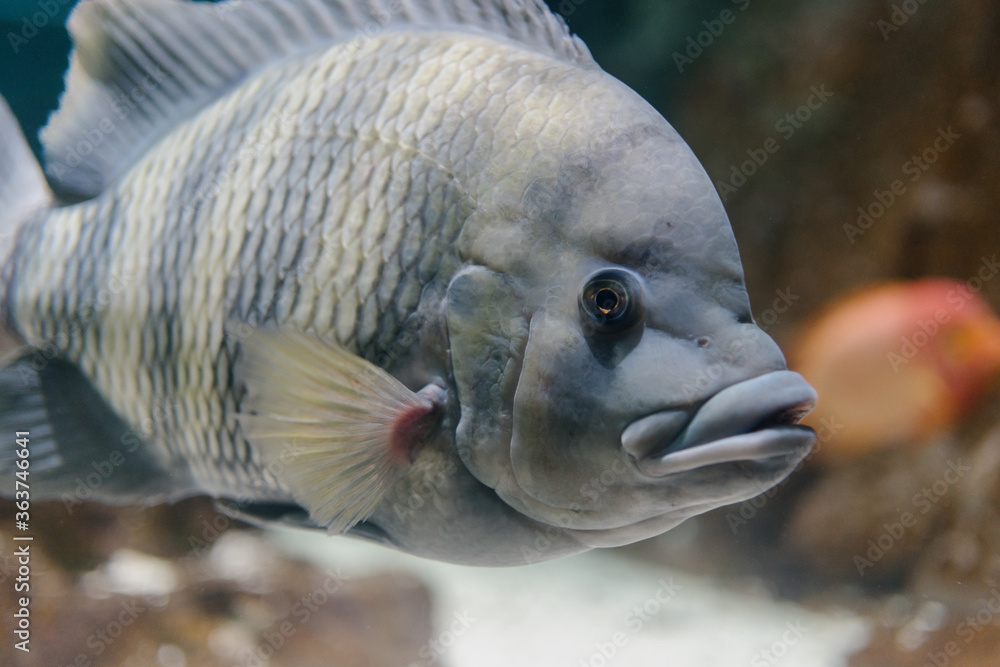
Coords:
pixel 416 272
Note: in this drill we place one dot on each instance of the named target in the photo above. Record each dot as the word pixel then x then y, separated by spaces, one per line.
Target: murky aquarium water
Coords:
pixel 498 332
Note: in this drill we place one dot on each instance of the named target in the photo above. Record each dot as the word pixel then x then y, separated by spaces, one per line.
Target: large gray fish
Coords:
pixel 419 272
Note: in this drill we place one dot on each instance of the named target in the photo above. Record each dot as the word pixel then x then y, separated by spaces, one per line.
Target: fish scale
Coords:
pixel 377 269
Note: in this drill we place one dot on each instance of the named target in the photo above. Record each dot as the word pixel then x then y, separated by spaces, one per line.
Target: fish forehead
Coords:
pixel 591 170
pixel 648 205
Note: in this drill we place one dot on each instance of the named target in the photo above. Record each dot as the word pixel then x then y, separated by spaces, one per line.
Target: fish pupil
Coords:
pixel 607 300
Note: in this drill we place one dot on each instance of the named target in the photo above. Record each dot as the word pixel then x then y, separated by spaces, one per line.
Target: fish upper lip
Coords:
pixel 749 421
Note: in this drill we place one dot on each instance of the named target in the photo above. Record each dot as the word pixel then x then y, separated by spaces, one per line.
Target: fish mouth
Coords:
pixel 751 421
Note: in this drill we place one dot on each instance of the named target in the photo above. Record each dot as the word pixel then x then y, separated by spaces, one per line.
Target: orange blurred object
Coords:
pixel 897 364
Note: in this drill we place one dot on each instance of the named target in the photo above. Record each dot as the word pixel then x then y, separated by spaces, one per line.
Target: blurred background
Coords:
pixel 856 146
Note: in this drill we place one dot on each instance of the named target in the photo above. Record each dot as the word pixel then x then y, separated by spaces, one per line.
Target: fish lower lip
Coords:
pixel 749 421
pixel 792 442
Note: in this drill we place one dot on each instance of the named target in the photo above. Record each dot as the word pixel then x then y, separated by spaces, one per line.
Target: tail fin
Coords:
pixel 23 192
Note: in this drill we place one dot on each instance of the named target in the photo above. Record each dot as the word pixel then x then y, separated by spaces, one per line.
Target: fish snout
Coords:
pixel 752 420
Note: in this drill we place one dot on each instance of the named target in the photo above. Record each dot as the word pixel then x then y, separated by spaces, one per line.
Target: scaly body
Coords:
pixel 305 215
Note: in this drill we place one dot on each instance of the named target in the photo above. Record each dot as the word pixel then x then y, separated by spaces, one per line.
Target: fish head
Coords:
pixel 621 385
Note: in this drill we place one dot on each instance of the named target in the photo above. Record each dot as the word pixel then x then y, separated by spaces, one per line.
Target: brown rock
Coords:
pixel 230 599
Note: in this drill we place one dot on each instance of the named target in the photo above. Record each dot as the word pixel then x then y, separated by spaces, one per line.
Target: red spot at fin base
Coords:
pixel 409 429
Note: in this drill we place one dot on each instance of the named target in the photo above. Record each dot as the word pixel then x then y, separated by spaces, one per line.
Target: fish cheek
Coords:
pixel 488 332
pixel 563 433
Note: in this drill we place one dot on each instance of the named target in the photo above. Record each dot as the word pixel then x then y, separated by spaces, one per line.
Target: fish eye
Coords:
pixel 610 301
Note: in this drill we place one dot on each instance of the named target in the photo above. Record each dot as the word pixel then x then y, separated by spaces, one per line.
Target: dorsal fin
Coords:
pixel 140 66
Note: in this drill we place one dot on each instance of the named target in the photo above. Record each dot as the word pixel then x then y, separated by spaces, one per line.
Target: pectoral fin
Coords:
pixel 335 428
